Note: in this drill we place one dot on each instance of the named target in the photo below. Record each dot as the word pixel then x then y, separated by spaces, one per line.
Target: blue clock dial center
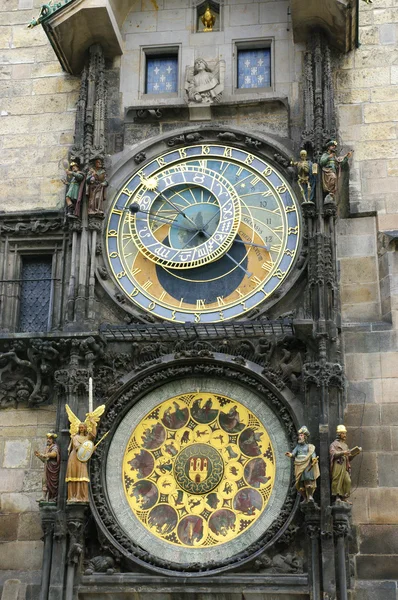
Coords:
pixel 206 218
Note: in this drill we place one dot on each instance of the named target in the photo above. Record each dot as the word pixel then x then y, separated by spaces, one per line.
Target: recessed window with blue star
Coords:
pixel 254 68
pixel 161 74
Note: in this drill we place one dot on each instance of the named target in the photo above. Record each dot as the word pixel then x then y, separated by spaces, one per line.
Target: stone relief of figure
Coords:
pixel 331 165
pixel 74 180
pixel 52 462
pixel 96 186
pixel 204 83
pixel 306 469
pixel 306 171
pixel 80 450
pixel 340 467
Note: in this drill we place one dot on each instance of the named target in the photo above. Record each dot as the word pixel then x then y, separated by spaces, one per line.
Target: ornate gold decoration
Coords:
pixel 198 470
pixel 208 19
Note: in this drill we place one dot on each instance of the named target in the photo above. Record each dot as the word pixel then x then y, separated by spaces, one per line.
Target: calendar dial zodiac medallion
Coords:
pixel 202 234
pixel 198 470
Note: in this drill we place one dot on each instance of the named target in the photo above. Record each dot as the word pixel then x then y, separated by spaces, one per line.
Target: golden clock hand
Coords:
pixel 171 223
pixel 135 208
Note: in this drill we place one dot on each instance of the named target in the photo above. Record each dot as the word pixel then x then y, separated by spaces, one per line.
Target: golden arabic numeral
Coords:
pixel 182 152
pixel 243 305
pixel 289 252
pixel 121 274
pixel 280 274
pixel 113 255
pixel 281 189
pixel 134 292
pixel 151 305
pixel 222 318
pixel 228 152
pixel 292 230
pixel 205 149
pixel 197 317
pixel 220 301
pixel 161 162
pixel 112 233
pixel 267 172
pixel 200 304
pixel 173 315
pixel 249 159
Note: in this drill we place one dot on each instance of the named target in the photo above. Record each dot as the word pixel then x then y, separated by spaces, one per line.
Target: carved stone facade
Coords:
pixel 321 350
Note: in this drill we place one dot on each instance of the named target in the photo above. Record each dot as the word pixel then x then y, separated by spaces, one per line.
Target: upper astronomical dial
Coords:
pixel 200 232
pixel 215 232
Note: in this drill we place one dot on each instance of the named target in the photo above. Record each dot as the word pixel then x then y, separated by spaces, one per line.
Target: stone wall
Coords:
pixel 367 95
pixel 37 112
pixel 22 432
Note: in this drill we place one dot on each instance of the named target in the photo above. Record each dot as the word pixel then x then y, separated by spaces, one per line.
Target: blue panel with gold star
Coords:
pixel 161 74
pixel 254 68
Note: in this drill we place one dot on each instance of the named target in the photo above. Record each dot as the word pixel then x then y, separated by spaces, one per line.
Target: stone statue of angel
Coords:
pixel 81 448
pixel 203 83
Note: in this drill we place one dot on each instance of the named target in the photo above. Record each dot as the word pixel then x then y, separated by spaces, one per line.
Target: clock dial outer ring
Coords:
pixel 286 259
pixel 214 247
pixel 129 524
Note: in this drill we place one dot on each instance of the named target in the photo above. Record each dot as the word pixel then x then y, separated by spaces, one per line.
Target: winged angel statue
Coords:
pixel 81 448
pixel 204 84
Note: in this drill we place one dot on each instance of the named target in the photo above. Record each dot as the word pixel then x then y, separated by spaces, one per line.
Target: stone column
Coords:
pixel 75 521
pixel 312 517
pixel 341 512
pixel 48 514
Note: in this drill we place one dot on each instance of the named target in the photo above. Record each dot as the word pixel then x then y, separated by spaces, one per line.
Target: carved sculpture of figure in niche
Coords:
pixel 340 467
pixel 52 462
pixel 306 468
pixel 203 84
pixel 331 165
pixel 74 179
pixel 306 171
pixel 96 185
pixel 80 450
pixel 208 19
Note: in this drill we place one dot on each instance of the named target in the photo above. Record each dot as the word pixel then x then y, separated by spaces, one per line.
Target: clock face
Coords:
pixel 202 234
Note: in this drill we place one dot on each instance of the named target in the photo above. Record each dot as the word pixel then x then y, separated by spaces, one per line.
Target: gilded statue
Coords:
pixel 74 180
pixel 81 448
pixel 306 468
pixel 203 83
pixel 52 461
pixel 208 19
pixel 340 468
pixel 96 186
pixel 306 172
pixel 331 166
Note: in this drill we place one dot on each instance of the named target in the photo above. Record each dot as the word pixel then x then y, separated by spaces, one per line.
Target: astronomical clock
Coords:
pixel 202 234
pixel 194 477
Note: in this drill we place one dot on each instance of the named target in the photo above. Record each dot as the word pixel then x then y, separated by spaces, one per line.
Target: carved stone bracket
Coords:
pixel 75 521
pixel 341 512
pixel 323 373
